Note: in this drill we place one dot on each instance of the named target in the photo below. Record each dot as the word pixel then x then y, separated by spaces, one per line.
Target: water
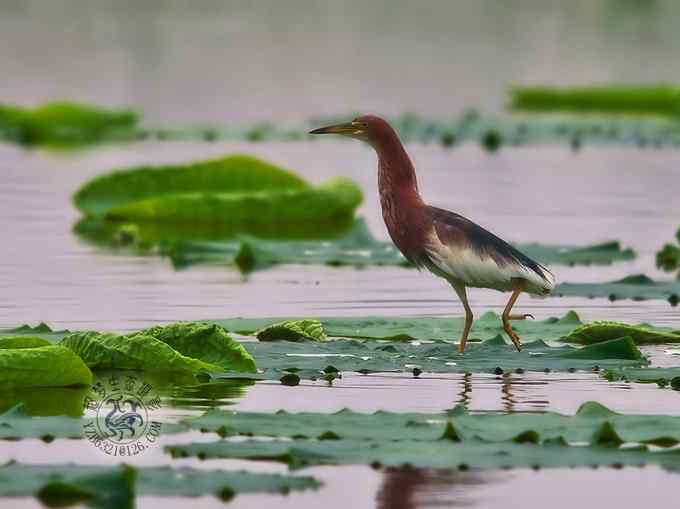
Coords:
pixel 233 63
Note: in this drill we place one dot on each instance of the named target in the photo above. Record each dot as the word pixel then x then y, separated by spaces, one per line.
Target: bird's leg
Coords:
pixel 519 287
pixel 462 295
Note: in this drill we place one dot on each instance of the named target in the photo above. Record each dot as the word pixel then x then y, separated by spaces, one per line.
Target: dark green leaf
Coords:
pixel 458 425
pixel 428 454
pixel 310 358
pixel 406 328
pixel 637 287
pixel 116 486
pixel 644 334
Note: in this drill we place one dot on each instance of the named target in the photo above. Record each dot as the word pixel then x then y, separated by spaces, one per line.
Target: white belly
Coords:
pixel 465 266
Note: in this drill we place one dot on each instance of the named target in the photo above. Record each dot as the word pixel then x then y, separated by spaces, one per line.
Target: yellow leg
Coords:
pixel 519 288
pixel 462 295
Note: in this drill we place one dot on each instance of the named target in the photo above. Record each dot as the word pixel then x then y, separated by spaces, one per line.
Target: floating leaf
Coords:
pixel 309 359
pixel 668 258
pixel 663 376
pixel 355 247
pixel 293 330
pixel 116 486
pixel 331 203
pixel 17 424
pixel 66 124
pixel 598 331
pixel 233 174
pixel 427 454
pixel 237 194
pixel 44 366
pixel 407 328
pixel 598 254
pixel 637 287
pixel 517 427
pixel 340 244
pixel 642 99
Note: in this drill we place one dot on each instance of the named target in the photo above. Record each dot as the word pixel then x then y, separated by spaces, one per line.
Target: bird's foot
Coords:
pixel 516 340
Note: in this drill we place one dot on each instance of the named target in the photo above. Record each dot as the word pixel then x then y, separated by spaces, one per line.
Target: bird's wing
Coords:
pixel 458 232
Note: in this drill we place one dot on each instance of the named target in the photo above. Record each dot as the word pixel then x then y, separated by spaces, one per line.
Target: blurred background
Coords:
pixel 228 61
pixel 227 65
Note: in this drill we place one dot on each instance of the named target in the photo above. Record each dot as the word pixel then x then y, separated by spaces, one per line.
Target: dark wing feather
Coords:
pixel 456 230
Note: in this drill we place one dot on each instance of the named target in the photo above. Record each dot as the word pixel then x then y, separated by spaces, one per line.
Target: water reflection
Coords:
pixel 464 395
pixel 45 401
pixel 407 488
pixel 183 391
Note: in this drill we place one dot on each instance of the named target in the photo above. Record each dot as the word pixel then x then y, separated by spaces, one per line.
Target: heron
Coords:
pixel 443 242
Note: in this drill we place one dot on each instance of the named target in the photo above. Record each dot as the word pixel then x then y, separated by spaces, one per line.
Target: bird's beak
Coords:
pixel 347 129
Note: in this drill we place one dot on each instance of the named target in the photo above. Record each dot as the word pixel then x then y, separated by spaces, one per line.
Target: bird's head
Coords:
pixel 368 128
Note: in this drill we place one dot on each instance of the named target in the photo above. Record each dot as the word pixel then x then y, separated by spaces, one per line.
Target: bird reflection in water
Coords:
pixel 515 393
pixel 407 488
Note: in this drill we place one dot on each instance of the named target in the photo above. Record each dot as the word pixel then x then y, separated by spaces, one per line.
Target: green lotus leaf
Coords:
pixel 178 348
pixel 293 330
pixel 234 174
pixel 66 124
pixel 331 203
pixel 408 328
pixel 428 454
pixel 313 360
pixel 42 331
pixel 387 426
pixel 41 366
pixel 598 331
pixel 115 487
pixel 636 287
pixel 648 99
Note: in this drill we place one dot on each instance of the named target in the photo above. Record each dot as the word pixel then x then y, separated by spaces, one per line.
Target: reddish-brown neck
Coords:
pixel 402 207
pixel 396 174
